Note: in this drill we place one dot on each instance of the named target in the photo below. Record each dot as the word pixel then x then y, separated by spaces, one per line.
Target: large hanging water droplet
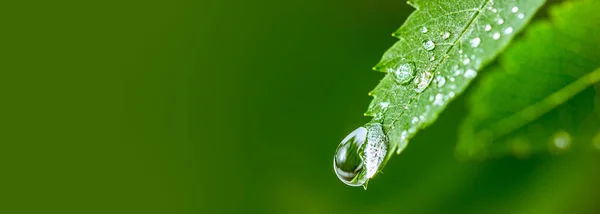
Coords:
pixel 428 45
pixel 404 72
pixel 359 156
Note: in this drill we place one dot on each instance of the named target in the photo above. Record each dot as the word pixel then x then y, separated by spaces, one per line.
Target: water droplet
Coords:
pixel 508 30
pixel 430 98
pixel 562 140
pixel 359 155
pixel 460 51
pixel 384 105
pixel 514 9
pixel 439 100
pixel 451 94
pixel 432 58
pixel 446 35
pixel 466 61
pixel 521 15
pixel 475 42
pixel 500 21
pixel 451 79
pixel 404 73
pixel 428 45
pixel 347 161
pixel 496 36
pixel 488 27
pixel 414 120
pixel 424 29
pixel 457 72
pixel 470 73
pixel 440 81
pixel 423 81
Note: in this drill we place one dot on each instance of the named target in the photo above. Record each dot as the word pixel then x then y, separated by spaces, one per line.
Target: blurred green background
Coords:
pixel 232 107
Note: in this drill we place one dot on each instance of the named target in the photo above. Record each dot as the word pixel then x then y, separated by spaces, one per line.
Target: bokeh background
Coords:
pixel 226 106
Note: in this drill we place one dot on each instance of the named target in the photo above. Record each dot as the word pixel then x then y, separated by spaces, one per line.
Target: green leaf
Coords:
pixel 444 43
pixel 539 96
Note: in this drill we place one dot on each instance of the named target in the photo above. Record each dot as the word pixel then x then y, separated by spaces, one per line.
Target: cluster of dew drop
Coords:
pixel 496 34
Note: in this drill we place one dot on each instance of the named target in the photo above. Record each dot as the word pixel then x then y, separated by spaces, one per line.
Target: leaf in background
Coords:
pixel 539 97
pixel 442 46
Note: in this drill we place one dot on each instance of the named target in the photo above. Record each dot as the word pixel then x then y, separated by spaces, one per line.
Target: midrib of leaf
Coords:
pixel 406 105
pixel 530 113
pixel 454 43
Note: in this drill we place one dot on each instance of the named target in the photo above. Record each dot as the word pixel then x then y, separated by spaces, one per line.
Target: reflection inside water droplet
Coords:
pixel 359 156
pixel 446 35
pixel 404 72
pixel 423 81
pixel 428 45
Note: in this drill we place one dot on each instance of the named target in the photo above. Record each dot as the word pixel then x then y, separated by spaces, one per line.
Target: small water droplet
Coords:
pixel 414 120
pixel 470 73
pixel 521 15
pixel 384 105
pixel 439 100
pixel 423 81
pixel 562 140
pixel 508 30
pixel 424 29
pixel 500 21
pixel 451 94
pixel 466 61
pixel 440 81
pixel 475 42
pixel 432 58
pixel 359 155
pixel 431 98
pixel 514 9
pixel 488 27
pixel 404 72
pixel 428 45
pixel 451 79
pixel 446 35
pixel 496 36
pixel 460 51
pixel 494 10
pixel 457 72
